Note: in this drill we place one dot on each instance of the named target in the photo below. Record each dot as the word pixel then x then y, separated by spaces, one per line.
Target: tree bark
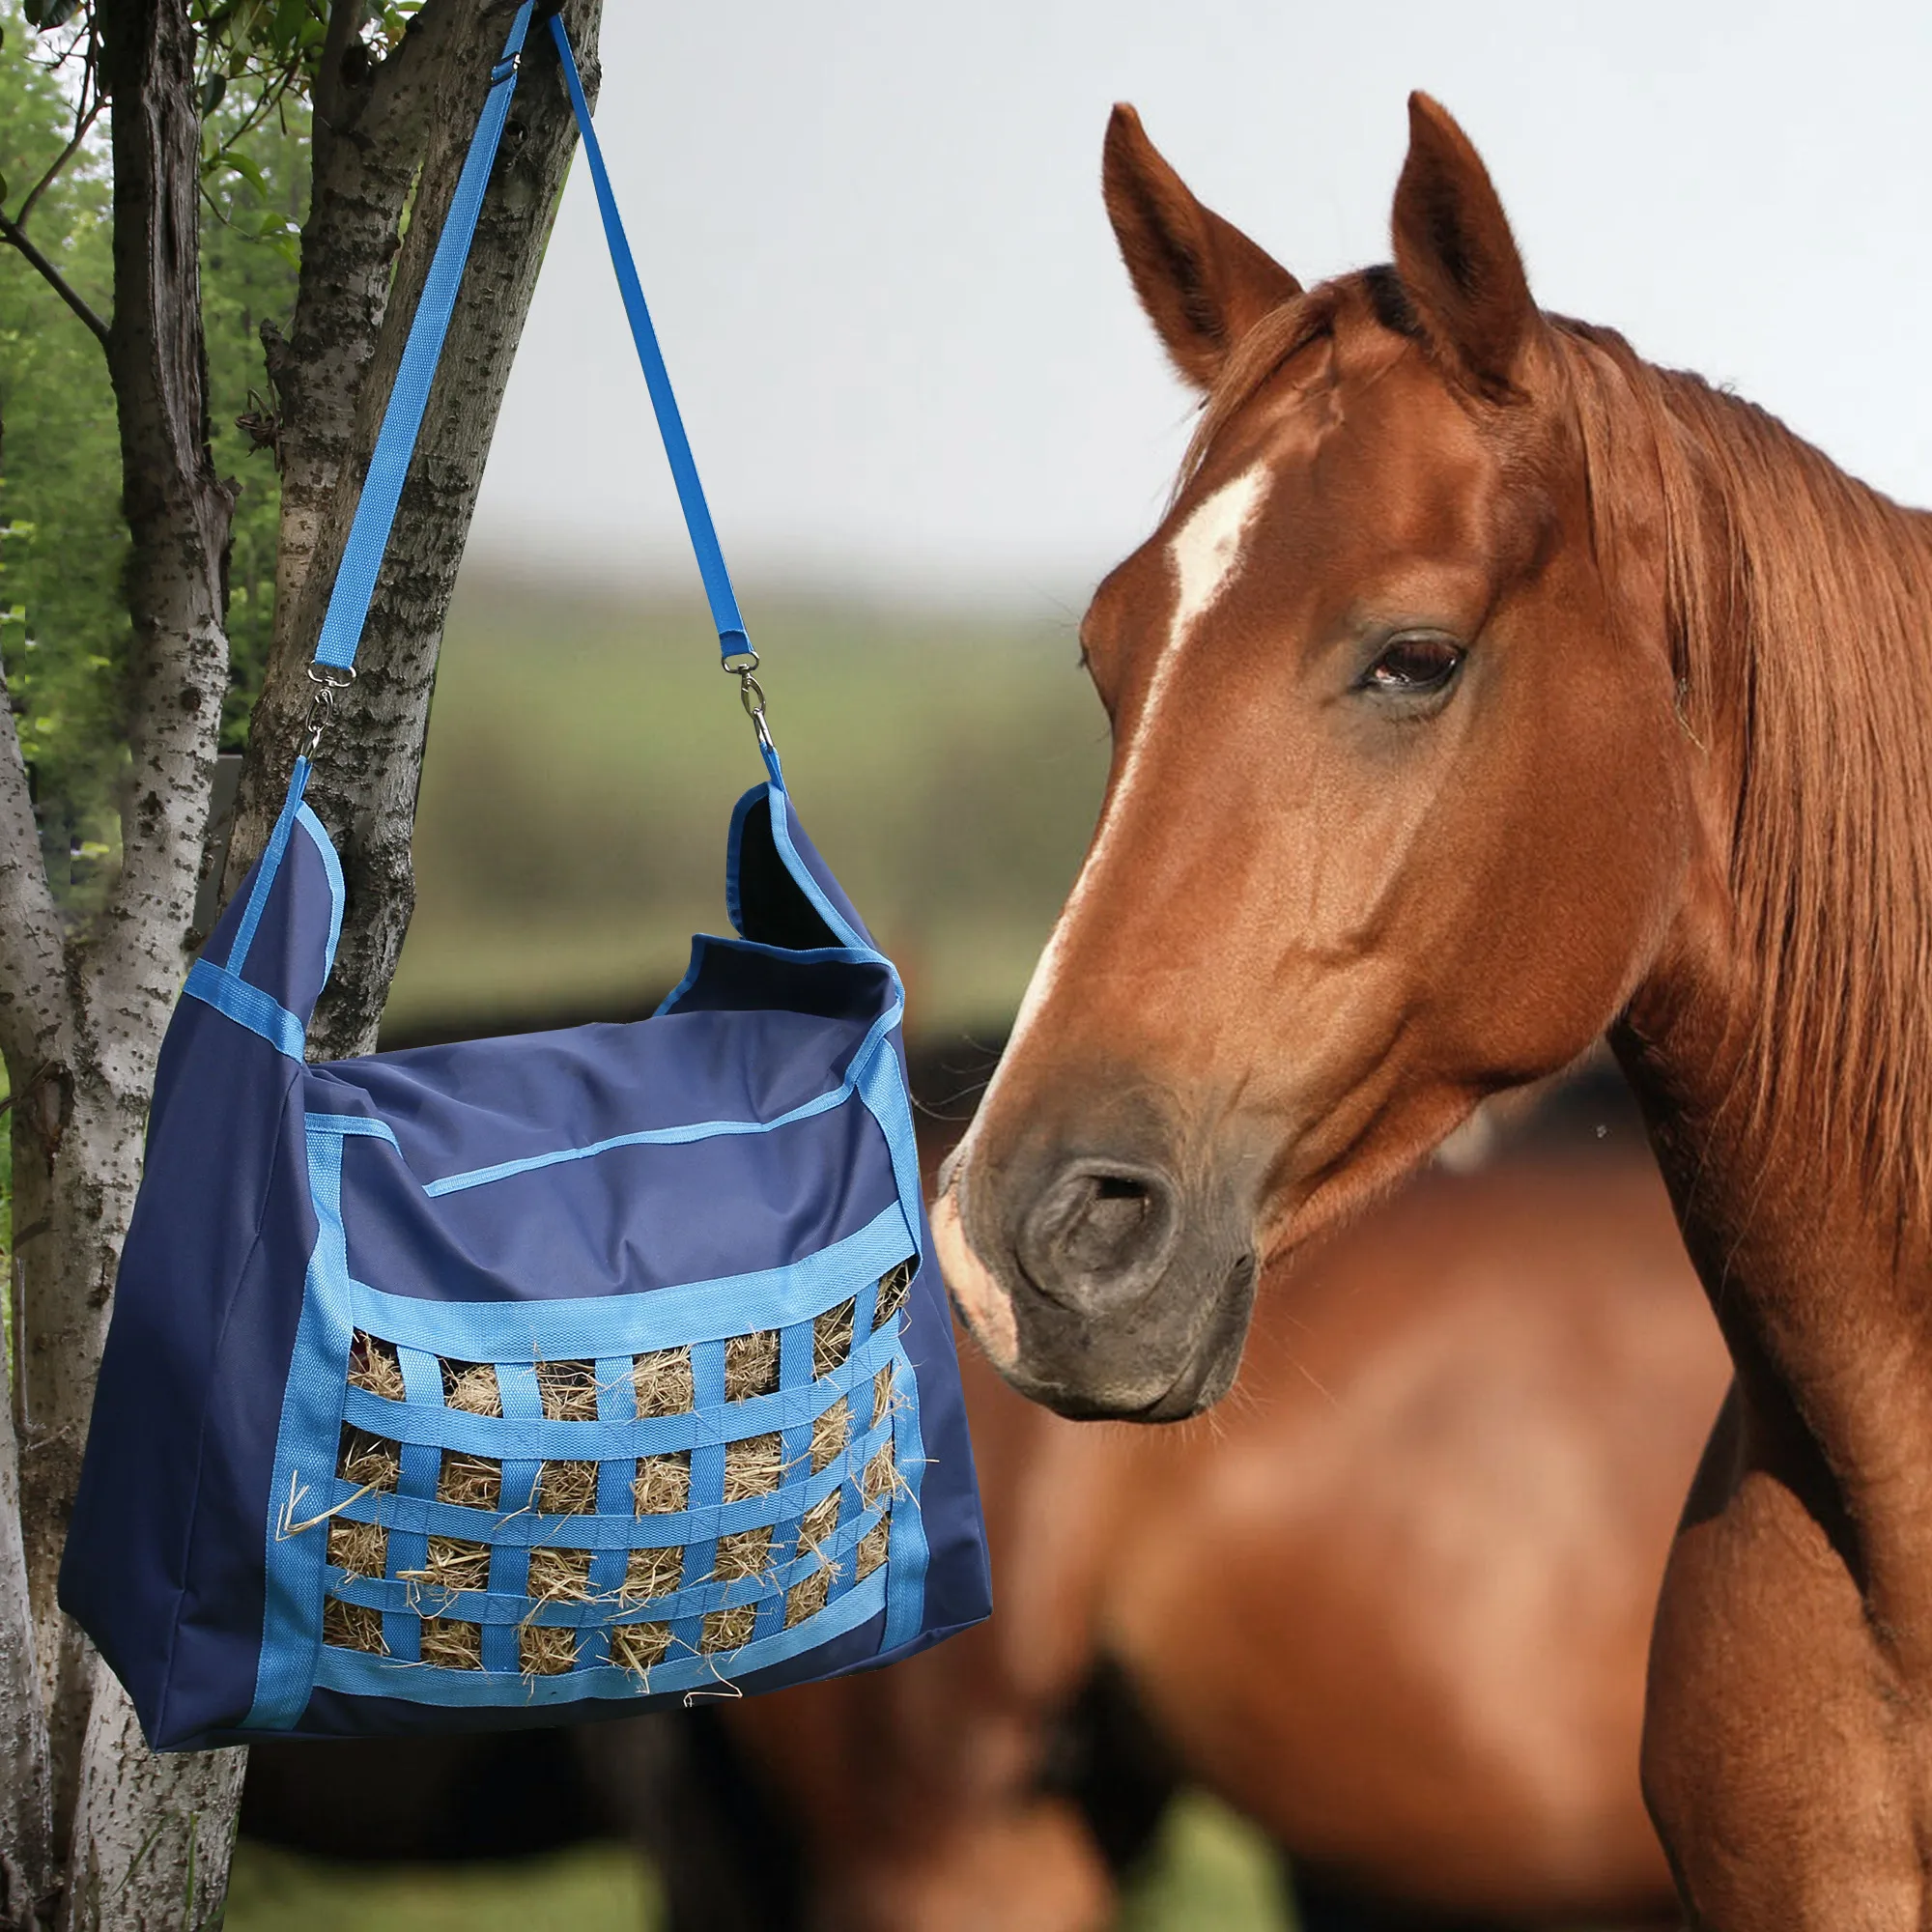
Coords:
pixel 367 776
pixel 153 1836
pixel 26 1815
pixel 77 1182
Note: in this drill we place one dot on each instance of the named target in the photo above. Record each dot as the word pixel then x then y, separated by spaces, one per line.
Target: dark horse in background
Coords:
pixel 1391 1602
pixel 1483 689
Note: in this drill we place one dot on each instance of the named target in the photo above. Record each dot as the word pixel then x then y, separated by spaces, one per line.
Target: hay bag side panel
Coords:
pixel 163 1566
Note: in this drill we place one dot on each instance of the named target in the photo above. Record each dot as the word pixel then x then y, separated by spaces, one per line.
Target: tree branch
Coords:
pixel 11 232
pixel 84 117
pixel 345 23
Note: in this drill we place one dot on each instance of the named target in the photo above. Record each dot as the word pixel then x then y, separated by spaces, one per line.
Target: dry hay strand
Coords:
pixel 729 1630
pixel 752 1365
pixel 638 1647
pixel 470 1482
pixel 369 1462
pixel 662 1381
pixel 807 1599
pixel 652 1573
pixel 662 1485
pixel 817 1526
pixel 895 1285
pixel 874 1546
pixel 881 1478
pixel 754 1467
pixel 352 1626
pixel 885 1395
pixel 374 1366
pixel 362 1549
pixel 453 1644
pixel 472 1387
pixel 453 1563
pixel 744 1552
pixel 546 1650
pixel 830 1434
pixel 832 1338
pixel 567 1489
pixel 560 1576
pixel 568 1391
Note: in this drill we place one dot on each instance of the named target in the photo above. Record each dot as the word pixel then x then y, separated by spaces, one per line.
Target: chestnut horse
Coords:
pixel 1393 1605
pixel 1484 689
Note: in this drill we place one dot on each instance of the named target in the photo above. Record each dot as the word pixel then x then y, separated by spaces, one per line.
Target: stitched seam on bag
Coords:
pixel 201 1438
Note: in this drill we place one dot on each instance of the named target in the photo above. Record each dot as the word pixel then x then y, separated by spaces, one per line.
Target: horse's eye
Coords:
pixel 1413 666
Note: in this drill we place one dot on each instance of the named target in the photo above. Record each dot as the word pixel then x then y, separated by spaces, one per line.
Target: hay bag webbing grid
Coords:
pixel 455 1602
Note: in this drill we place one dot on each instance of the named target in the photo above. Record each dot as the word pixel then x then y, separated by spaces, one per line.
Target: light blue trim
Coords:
pixel 265 869
pixel 332 868
pixel 584 1327
pixel 325 1123
pixel 396 440
pixel 360 1675
pixel 802 874
pixel 697 1131
pixel 730 625
pixel 306 1440
pixel 882 1092
pixel 907 1556
pixel 247 1006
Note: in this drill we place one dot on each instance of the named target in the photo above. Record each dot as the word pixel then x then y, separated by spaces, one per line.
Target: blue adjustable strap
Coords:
pixel 733 645
pixel 396 441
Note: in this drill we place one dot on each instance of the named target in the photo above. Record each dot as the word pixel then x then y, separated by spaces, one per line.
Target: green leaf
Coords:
pixel 53 13
pixel 212 91
pixel 246 167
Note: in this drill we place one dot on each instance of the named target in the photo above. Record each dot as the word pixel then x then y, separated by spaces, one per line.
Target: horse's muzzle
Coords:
pixel 1101 1283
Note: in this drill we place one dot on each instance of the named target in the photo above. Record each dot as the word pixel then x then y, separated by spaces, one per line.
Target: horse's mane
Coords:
pixel 1799 610
pixel 1799 603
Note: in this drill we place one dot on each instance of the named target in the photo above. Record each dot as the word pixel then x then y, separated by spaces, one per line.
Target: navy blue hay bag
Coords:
pixel 526 1378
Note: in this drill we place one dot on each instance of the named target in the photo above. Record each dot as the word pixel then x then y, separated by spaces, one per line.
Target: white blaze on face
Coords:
pixel 1204 555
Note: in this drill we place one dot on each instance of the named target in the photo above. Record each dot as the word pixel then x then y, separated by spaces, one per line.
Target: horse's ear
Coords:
pixel 1203 283
pixel 1456 256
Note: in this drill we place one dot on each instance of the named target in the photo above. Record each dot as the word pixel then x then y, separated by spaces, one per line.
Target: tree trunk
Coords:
pixel 367 774
pixel 77 1185
pixel 26 1818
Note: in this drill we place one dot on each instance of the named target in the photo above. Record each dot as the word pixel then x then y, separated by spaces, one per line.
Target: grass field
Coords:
pixel 583 758
pixel 1208 1873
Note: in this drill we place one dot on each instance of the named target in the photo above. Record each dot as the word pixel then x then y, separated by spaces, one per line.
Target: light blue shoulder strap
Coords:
pixel 396 441
pixel 733 647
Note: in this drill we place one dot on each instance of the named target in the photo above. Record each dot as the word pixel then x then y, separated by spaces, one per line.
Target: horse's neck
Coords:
pixel 1816 1252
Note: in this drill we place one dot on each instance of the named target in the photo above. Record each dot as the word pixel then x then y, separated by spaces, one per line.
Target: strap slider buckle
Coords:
pixel 510 64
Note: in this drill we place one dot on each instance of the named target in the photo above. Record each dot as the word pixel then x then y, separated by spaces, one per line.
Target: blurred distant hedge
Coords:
pixel 583 757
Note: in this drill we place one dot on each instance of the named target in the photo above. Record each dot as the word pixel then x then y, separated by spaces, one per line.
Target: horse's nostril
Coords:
pixel 1097 1233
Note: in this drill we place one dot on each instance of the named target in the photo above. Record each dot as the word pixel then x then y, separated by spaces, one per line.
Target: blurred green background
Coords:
pixel 584 754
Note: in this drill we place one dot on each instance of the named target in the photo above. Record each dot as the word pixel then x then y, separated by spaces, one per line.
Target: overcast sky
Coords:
pixel 910 361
